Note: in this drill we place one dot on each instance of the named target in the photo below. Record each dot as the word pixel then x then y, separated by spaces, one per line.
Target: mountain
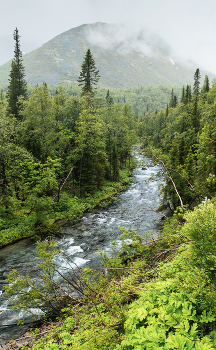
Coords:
pixel 124 57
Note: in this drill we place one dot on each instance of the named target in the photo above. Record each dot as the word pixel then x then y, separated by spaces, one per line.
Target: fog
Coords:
pixel 123 37
pixel 187 27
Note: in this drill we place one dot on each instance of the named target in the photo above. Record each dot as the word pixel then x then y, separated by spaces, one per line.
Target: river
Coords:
pixel 135 208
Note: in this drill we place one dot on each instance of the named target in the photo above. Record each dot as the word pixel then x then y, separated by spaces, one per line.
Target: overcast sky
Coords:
pixel 189 26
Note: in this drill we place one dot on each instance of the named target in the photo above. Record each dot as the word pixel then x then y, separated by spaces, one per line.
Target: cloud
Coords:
pixel 125 37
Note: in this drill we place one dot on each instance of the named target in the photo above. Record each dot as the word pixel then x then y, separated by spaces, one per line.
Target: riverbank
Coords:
pixel 135 208
pixel 159 295
pixel 37 224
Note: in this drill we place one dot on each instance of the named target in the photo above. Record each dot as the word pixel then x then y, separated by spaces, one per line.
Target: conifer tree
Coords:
pixel 109 98
pixel 188 94
pixel 173 100
pixel 167 110
pixel 107 95
pixel 17 84
pixel 205 87
pixel 89 75
pixel 195 115
pixel 196 86
pixel 183 95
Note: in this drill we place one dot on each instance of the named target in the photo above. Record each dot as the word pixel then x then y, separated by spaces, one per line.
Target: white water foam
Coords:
pixel 73 250
pixel 80 261
pixel 111 221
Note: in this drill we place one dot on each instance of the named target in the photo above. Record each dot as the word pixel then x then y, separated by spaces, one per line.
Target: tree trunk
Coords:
pixel 81 163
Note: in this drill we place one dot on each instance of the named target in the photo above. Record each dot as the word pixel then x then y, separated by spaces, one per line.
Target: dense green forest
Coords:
pixel 182 138
pixel 52 136
pixel 49 135
pixel 141 99
pixel 60 155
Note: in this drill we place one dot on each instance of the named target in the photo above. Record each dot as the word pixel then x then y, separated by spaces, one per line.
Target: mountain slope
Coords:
pixel 124 58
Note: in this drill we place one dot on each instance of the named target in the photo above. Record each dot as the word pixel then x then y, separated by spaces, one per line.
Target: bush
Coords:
pixel 201 230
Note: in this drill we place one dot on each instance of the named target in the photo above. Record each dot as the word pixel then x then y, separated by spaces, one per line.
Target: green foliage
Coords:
pixel 185 136
pixel 40 295
pixel 201 230
pixel 41 133
pixel 205 87
pixel 55 134
pixel 138 301
pixel 17 85
pixel 89 76
pixel 164 318
pixel 89 150
pixel 40 212
pixel 177 310
pixel 122 256
pixel 141 99
pixel 196 86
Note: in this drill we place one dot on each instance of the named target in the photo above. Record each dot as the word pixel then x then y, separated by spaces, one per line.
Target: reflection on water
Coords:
pixel 134 209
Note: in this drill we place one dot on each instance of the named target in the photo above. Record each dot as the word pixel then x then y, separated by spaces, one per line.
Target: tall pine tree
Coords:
pixel 205 87
pixel 183 95
pixel 173 100
pixel 89 75
pixel 196 86
pixel 17 84
pixel 188 94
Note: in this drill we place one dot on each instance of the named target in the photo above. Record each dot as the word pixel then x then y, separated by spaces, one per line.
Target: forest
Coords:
pixel 62 154
pixel 53 136
pixel 182 139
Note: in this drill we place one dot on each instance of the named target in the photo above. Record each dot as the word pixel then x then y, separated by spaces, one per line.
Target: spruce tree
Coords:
pixel 109 98
pixel 196 86
pixel 188 94
pixel 17 84
pixel 205 87
pixel 195 115
pixel 183 95
pixel 167 110
pixel 171 99
pixel 175 101
pixel 89 75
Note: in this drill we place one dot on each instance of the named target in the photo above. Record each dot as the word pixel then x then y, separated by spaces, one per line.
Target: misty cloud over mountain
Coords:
pixel 122 37
pixel 125 56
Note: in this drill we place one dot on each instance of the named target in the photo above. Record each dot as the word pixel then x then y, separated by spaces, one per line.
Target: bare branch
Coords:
pixel 191 186
pixel 170 177
pixel 164 252
pixel 57 194
pixel 56 284
pixel 207 138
